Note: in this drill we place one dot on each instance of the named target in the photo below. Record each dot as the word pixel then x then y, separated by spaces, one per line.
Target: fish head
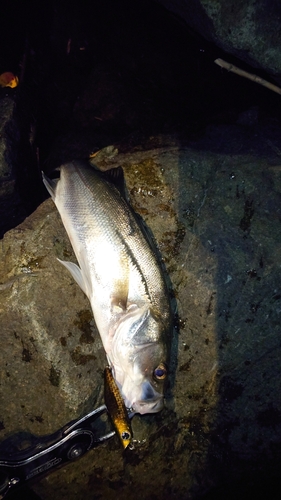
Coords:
pixel 144 392
pixel 139 361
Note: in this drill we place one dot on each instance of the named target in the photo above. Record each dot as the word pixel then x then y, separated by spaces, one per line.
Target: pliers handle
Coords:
pixel 42 454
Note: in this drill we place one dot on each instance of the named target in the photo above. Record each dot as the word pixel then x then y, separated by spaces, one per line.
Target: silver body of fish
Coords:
pixel 120 274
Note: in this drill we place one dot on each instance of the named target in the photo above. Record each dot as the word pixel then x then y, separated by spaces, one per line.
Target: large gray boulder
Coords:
pixel 216 219
pixel 249 30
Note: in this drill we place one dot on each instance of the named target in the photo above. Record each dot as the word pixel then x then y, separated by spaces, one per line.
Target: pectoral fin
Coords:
pixel 76 273
pixel 120 287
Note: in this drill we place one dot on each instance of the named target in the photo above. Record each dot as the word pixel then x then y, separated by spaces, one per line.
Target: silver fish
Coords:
pixel 121 276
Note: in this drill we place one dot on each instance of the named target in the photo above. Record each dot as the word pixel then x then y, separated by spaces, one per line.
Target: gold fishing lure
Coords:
pixel 116 409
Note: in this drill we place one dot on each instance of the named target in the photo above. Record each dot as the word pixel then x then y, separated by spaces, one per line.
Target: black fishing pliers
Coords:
pixel 24 456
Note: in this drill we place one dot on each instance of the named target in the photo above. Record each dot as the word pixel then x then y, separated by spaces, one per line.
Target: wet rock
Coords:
pixel 10 202
pixel 222 415
pixel 248 30
pixel 20 180
pixel 48 347
pixel 6 107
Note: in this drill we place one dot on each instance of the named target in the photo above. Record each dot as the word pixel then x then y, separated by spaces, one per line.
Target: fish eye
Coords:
pixel 125 435
pixel 160 373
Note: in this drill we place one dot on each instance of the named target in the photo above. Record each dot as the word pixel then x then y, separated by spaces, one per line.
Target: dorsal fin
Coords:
pixel 116 177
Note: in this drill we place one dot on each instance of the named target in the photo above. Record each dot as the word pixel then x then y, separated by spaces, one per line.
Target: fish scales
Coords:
pixel 127 235
pixel 121 276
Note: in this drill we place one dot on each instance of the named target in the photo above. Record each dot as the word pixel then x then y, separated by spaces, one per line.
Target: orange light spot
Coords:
pixel 8 79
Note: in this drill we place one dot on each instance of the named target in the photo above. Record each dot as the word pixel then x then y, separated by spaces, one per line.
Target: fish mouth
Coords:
pixel 148 406
pixel 143 399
